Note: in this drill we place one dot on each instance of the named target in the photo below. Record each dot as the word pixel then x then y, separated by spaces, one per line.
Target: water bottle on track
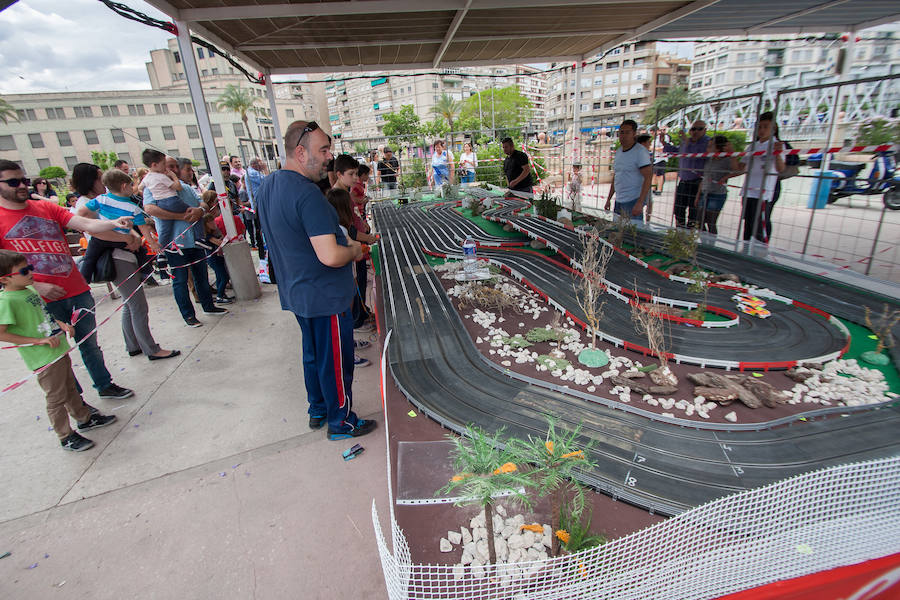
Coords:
pixel 470 262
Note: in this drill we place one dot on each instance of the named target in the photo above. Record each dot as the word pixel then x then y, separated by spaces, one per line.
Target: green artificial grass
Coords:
pixel 489 227
pixel 861 342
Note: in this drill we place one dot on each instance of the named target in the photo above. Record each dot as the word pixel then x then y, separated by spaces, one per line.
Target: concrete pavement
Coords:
pixel 210 484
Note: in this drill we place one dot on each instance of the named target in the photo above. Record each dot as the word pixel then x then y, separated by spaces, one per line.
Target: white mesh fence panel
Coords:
pixel 812 522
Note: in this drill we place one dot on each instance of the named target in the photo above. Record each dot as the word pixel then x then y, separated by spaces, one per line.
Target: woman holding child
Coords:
pixel 125 245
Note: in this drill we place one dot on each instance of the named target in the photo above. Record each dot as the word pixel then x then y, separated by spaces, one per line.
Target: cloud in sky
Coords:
pixel 74 45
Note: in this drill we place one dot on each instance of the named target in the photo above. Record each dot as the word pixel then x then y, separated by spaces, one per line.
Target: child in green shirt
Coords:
pixel 24 322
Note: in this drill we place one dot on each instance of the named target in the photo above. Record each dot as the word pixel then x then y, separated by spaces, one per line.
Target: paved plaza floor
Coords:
pixel 210 485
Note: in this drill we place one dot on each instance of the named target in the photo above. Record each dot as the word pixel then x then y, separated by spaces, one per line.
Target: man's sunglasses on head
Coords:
pixel 697 128
pixel 23 271
pixel 311 126
pixel 16 181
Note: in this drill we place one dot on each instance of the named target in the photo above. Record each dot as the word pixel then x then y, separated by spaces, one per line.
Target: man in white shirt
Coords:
pixel 632 174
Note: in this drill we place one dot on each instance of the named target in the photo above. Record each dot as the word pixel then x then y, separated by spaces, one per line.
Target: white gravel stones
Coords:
pixel 455 537
pixel 446 546
pixel 731 417
pixel 842 383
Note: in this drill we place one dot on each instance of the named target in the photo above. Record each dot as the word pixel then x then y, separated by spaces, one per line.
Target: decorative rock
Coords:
pixel 536 245
pixel 455 537
pixel 466 535
pixel 516 542
pixel 501 548
pixel 477 521
pixel 481 551
pixel 479 533
pixel 446 546
pixel 507 531
pixel 498 523
pixel 731 417
pixel 501 511
pixel 547 538
pixel 459 571
pixel 528 539
pixel 478 572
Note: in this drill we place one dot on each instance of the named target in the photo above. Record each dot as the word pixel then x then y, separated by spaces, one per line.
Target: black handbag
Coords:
pixel 105 269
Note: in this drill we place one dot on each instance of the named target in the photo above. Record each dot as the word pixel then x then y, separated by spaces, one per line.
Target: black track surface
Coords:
pixel 660 467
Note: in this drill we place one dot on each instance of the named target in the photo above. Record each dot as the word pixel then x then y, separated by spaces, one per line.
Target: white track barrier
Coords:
pixel 813 522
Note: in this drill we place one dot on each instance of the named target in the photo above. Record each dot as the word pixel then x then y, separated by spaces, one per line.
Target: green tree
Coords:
pixel 484 472
pixel 511 109
pixel 669 102
pixel 401 124
pixel 104 160
pixel 240 101
pixel 875 132
pixel 55 174
pixel 447 108
pixel 436 128
pixel 7 111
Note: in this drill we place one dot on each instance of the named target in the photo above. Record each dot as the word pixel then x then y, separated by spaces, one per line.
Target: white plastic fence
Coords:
pixel 809 523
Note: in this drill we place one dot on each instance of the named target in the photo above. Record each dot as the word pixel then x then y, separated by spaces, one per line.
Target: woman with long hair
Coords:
pixel 441 164
pixel 125 246
pixel 42 190
pixel 468 161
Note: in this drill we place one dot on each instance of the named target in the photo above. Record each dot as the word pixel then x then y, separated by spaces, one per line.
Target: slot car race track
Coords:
pixel 655 465
pixel 789 335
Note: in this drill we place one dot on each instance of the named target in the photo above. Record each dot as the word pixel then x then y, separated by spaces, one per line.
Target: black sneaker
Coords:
pixel 215 310
pixel 93 410
pixel 193 322
pixel 317 422
pixel 76 442
pixel 116 392
pixel 224 301
pixel 363 426
pixel 97 421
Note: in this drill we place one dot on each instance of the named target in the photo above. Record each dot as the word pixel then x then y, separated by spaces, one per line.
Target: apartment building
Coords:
pixel 620 86
pixel 61 129
pixel 356 107
pixel 722 64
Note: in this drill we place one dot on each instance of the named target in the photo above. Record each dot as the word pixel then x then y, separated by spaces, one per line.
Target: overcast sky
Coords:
pixel 77 45
pixel 81 45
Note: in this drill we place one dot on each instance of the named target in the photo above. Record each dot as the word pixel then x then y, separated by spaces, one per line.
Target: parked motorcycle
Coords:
pixel 844 178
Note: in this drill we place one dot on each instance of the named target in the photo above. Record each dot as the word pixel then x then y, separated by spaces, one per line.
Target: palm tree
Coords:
pixel 240 101
pixel 7 111
pixel 449 109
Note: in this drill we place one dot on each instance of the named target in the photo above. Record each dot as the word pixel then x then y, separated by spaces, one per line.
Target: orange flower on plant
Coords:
pixel 506 468
pixel 461 476
pixel 563 535
pixel 535 528
pixel 576 454
pixel 549 446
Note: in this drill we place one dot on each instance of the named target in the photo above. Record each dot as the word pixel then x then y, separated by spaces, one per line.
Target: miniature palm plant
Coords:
pixel 555 459
pixel 575 530
pixel 485 469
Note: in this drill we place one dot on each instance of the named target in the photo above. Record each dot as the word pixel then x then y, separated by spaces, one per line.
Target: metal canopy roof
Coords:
pixel 307 36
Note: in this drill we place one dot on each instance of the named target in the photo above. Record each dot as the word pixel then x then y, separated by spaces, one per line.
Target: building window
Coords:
pixel 168 132
pixel 216 129
pixel 161 109
pixel 83 111
pixel 434 86
pixel 117 136
pixel 56 113
pixel 239 128
pixel 220 151
pixel 143 134
pixel 136 109
pixel 90 136
pixel 36 140
pixel 198 154
pixel 7 142
pixel 177 57
pixel 612 65
pixel 199 52
pixel 71 161
pixel 63 138
pixel 215 71
pixel 290 112
pixel 125 156
pixel 193 133
pixel 204 72
pixel 43 163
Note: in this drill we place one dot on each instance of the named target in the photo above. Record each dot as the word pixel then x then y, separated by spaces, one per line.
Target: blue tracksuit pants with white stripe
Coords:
pixel 328 368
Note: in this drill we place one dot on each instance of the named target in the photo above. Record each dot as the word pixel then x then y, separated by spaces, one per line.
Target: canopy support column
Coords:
pixel 279 137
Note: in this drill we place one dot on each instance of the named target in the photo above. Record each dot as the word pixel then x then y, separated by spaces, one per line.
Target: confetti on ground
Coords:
pixel 136 425
pixel 46 556
pixel 222 474
pixel 37 418
pixel 412 413
pixel 283 419
pixel 235 466
pixel 757 374
pixel 34 566
pixel 873 337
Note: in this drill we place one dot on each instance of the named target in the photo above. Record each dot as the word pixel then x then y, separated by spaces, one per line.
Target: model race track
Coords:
pixel 653 464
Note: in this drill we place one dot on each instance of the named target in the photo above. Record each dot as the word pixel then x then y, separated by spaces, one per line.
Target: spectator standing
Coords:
pixel 117 203
pixel 761 179
pixel 632 174
pixel 441 164
pixel 468 162
pixel 313 261
pixel 574 187
pixel 24 321
pixel 659 161
pixel 42 190
pixel 646 140
pixel 177 236
pixel 373 167
pixel 123 166
pixel 714 190
pixel 346 170
pixel 234 196
pixel 517 168
pixel 388 169
pixel 37 230
pixel 690 170
pixel 254 177
pixel 237 169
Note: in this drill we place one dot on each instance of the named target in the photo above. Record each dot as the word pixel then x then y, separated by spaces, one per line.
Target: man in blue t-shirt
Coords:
pixel 632 174
pixel 313 261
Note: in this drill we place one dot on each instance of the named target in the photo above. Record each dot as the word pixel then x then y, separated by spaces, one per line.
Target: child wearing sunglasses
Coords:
pixel 44 348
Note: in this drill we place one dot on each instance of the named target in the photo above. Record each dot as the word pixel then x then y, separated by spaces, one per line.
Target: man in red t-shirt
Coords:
pixel 37 230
